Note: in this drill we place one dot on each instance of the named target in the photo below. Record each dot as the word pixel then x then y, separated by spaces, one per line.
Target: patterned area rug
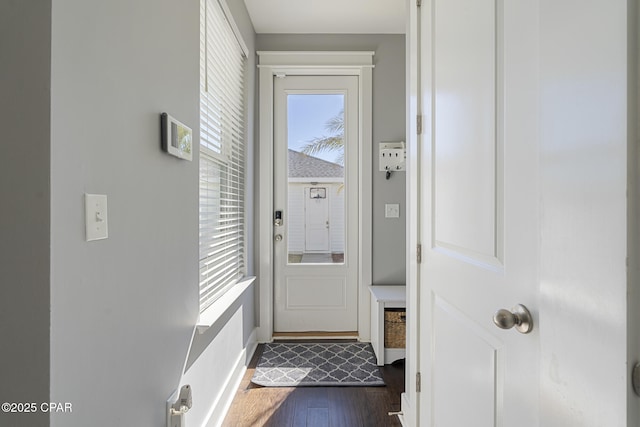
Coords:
pixel 317 364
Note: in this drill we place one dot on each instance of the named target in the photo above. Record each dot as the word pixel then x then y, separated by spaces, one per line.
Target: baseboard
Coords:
pixel 314 335
pixel 393 354
pixel 221 407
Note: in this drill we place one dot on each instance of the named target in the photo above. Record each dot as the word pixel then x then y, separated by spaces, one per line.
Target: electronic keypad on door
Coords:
pixel 277 218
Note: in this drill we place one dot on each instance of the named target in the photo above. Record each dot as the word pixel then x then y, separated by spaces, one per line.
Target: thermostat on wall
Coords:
pixel 176 137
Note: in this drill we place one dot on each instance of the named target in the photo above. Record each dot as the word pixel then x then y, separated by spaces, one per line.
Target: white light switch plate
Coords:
pixel 392 210
pixel 96 216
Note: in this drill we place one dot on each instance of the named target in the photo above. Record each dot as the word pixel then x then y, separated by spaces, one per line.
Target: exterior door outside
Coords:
pixel 523 200
pixel 316 220
pixel 316 286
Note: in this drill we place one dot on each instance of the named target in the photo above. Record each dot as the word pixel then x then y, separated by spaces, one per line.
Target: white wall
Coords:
pixel 25 49
pixel 295 220
pixel 336 193
pixel 217 361
pixel 389 235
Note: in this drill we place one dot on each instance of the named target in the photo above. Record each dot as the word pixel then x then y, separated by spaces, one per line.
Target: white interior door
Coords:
pixel 315 143
pixel 480 212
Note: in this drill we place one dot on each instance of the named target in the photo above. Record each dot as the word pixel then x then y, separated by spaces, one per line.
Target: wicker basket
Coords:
pixel 395 327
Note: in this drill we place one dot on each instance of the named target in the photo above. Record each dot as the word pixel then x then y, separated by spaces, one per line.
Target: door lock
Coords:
pixel 277 219
pixel 519 317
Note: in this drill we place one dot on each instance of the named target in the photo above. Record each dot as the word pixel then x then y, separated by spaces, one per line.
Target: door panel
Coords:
pixel 316 254
pixel 468 366
pixel 318 293
pixel 465 125
pixel 481 202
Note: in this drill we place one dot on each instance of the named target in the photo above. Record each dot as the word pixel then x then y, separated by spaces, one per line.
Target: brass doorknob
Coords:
pixel 519 317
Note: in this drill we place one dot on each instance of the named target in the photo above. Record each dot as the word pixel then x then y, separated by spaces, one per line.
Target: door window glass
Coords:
pixel 316 185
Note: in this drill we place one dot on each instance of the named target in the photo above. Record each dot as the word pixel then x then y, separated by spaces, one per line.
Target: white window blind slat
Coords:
pixel 222 109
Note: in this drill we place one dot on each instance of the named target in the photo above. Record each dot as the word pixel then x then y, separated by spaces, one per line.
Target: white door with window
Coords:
pixel 315 141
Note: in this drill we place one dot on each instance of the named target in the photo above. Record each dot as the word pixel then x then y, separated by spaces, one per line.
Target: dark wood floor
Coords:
pixel 255 406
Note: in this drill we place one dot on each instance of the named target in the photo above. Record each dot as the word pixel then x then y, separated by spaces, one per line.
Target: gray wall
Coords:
pixel 633 157
pixel 105 325
pixel 122 309
pixel 388 125
pixel 25 50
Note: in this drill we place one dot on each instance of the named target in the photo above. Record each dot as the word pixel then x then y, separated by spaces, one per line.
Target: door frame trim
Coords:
pixel 415 107
pixel 271 64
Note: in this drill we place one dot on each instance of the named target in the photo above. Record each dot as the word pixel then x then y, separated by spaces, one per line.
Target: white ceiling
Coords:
pixel 327 16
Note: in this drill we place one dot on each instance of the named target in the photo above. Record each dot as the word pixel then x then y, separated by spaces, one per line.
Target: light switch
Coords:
pixel 392 210
pixel 96 216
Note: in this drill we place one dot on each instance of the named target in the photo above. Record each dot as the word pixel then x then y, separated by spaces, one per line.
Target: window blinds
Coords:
pixel 222 154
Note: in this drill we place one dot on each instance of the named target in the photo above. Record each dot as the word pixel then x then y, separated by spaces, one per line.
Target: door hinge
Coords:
pixel 418 124
pixel 418 3
pixel 419 253
pixel 418 382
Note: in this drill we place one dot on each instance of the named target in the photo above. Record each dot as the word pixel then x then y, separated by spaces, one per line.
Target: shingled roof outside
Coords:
pixel 305 166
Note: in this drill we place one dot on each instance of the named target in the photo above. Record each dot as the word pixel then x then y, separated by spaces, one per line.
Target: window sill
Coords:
pixel 212 313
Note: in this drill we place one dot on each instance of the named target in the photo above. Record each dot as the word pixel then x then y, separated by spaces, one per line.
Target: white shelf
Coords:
pixel 211 315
